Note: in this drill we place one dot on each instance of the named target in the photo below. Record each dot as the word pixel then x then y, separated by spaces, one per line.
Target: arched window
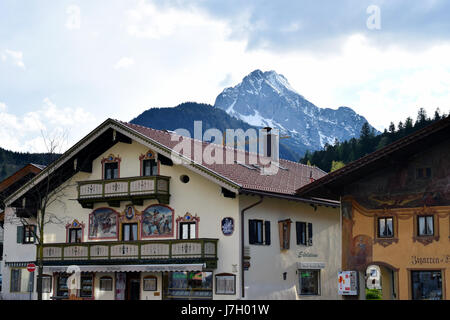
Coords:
pixel 111 167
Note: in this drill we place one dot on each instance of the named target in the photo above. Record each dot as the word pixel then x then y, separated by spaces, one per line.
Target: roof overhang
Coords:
pixel 313 201
pixel 134 135
pixel 333 185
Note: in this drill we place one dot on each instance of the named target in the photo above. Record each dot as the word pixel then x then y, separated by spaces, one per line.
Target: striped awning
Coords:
pixel 126 268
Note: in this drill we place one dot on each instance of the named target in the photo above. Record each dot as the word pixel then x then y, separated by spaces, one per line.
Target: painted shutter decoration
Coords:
pixel 310 234
pixel 20 230
pixel 267 232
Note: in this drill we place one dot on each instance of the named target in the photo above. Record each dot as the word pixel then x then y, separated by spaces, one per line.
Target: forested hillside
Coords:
pixel 11 161
pixel 335 156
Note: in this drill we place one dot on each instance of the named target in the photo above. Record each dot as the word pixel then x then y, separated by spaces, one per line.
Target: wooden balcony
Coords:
pixel 134 189
pixel 132 252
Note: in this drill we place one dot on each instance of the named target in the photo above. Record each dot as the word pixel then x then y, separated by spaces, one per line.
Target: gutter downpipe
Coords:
pixel 242 242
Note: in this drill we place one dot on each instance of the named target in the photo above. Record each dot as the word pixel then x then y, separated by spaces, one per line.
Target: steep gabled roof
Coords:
pixel 234 176
pixel 330 185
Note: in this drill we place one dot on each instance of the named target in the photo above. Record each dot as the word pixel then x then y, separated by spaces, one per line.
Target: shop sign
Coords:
pixel 430 260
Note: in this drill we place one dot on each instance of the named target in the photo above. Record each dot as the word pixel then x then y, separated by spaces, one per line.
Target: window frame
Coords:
pixel 264 231
pixel 154 168
pixel 385 218
pixel 101 283
pixel 29 237
pixel 305 233
pixel 318 285
pixel 69 240
pixel 192 227
pixel 426 217
pixel 80 291
pixel 148 278
pixel 130 225
pixel 222 275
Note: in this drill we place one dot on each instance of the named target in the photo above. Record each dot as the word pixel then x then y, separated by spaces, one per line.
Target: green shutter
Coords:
pixel 20 230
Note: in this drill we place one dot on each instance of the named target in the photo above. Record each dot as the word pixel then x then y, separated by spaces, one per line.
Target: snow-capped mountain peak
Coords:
pixel 267 99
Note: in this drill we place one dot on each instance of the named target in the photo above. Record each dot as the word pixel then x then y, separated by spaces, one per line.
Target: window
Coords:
pixel 106 284
pixel 129 232
pixel 225 283
pixel 62 290
pixel 75 235
pixel 86 286
pixel 150 283
pixel 425 225
pixel 46 284
pixel 385 227
pixel 187 230
pixel 259 232
pixel 426 285
pixel 304 232
pixel 309 282
pixel 111 170
pixel 15 280
pixel 423 173
pixel 29 234
pixel 284 228
pixel 149 167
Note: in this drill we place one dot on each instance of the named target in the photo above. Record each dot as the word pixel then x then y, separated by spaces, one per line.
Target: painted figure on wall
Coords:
pixel 157 221
pixel 103 224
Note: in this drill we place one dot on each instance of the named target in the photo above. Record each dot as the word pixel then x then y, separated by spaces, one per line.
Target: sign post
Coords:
pixel 31 267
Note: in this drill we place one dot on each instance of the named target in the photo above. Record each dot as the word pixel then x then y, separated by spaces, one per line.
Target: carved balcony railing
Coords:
pixel 139 252
pixel 135 189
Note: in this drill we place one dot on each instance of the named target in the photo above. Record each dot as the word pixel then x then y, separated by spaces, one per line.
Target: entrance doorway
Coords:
pixel 381 282
pixel 133 287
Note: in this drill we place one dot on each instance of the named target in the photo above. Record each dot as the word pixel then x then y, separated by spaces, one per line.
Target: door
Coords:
pixel 133 290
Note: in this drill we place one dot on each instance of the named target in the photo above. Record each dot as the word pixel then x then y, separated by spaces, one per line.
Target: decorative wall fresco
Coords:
pixel 103 224
pixel 400 186
pixel 157 221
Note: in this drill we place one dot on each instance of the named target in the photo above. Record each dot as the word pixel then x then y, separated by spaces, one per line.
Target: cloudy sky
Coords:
pixel 72 64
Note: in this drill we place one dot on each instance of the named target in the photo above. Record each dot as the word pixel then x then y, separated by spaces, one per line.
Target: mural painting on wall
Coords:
pixel 157 221
pixel 361 252
pixel 103 224
pixel 423 182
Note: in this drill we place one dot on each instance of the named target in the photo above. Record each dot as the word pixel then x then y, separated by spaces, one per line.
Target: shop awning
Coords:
pixel 126 268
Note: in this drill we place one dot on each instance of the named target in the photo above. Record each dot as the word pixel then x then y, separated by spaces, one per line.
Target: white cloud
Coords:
pixel 73 21
pixel 124 63
pixel 15 56
pixel 24 133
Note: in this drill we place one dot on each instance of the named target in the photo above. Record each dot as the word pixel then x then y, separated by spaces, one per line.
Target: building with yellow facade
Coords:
pixel 395 206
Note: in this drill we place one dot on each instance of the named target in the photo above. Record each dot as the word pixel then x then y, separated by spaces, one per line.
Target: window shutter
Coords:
pixel 20 230
pixel 298 231
pixel 310 234
pixel 34 234
pixel 267 232
pixel 251 231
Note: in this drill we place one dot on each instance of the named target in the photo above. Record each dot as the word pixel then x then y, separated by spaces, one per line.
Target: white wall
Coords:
pixel 264 279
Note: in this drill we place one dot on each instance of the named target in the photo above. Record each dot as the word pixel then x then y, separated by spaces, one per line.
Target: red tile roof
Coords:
pixel 284 181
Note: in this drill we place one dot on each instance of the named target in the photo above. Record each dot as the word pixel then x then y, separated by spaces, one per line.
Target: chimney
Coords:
pixel 270 141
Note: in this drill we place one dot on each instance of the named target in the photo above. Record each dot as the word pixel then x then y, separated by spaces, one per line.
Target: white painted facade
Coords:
pixel 203 198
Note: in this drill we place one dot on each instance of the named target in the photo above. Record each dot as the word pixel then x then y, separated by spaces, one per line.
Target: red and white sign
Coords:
pixel 347 283
pixel 31 267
